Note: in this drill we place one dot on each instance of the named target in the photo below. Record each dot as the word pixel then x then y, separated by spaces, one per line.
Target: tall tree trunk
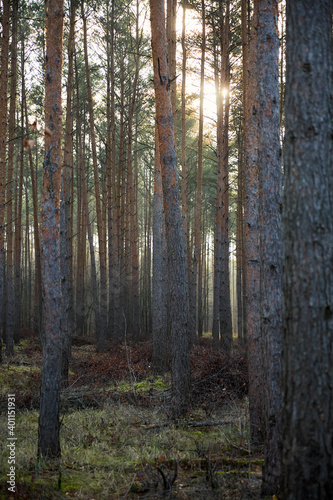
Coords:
pixel 48 428
pixel 197 267
pixel 111 170
pixel 3 140
pixel 225 303
pixel 81 223
pixel 307 444
pixel 65 213
pixel 180 360
pixel 252 255
pixel 10 315
pixel 38 266
pixel 218 209
pixel 270 185
pixel 101 236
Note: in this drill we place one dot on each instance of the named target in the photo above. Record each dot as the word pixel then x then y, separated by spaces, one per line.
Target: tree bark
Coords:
pixel 197 263
pixel 160 281
pixel 48 428
pixel 65 213
pixel 252 254
pixel 270 185
pixel 225 302
pixel 307 426
pixel 10 316
pixel 3 140
pixel 180 361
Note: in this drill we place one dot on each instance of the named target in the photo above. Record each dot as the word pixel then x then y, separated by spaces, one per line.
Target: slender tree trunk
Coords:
pixel 65 213
pixel 48 428
pixel 101 236
pixel 180 361
pixel 10 314
pixel 38 266
pixel 81 227
pixel 3 140
pixel 197 267
pixel 225 303
pixel 307 427
pixel 219 201
pixel 239 241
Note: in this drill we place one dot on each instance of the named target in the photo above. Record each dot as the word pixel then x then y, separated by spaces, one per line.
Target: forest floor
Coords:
pixel 117 440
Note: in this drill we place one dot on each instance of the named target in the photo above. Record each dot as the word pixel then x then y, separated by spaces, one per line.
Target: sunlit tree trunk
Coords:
pixel 10 315
pixel 180 362
pixel 307 427
pixel 48 428
pixel 3 140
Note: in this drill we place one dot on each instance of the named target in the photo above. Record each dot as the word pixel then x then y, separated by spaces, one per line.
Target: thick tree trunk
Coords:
pixel 252 254
pixel 180 361
pixel 270 185
pixel 307 443
pixel 48 428
pixel 160 275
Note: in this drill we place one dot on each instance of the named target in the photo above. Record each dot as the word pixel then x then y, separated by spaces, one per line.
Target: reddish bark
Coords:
pixel 180 366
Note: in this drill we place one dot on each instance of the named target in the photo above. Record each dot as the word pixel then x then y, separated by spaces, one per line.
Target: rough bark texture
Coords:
pixel 307 446
pixel 270 183
pixel 172 46
pixel 3 136
pixel 252 256
pixel 160 275
pixel 225 301
pixel 48 428
pixel 180 362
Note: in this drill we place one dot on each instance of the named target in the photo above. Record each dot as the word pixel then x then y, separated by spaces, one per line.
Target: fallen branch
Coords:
pixel 206 423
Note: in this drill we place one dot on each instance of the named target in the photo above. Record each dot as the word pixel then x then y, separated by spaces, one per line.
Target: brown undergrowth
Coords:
pixel 116 438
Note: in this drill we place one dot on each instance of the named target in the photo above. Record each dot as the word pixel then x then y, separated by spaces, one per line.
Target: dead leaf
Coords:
pixel 28 144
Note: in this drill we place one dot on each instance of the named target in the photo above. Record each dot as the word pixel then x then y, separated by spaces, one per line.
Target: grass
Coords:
pixel 126 441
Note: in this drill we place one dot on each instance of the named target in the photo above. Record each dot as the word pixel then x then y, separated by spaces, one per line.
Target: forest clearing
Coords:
pixel 166 249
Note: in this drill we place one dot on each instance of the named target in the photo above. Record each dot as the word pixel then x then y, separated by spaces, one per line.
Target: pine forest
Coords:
pixel 166 249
